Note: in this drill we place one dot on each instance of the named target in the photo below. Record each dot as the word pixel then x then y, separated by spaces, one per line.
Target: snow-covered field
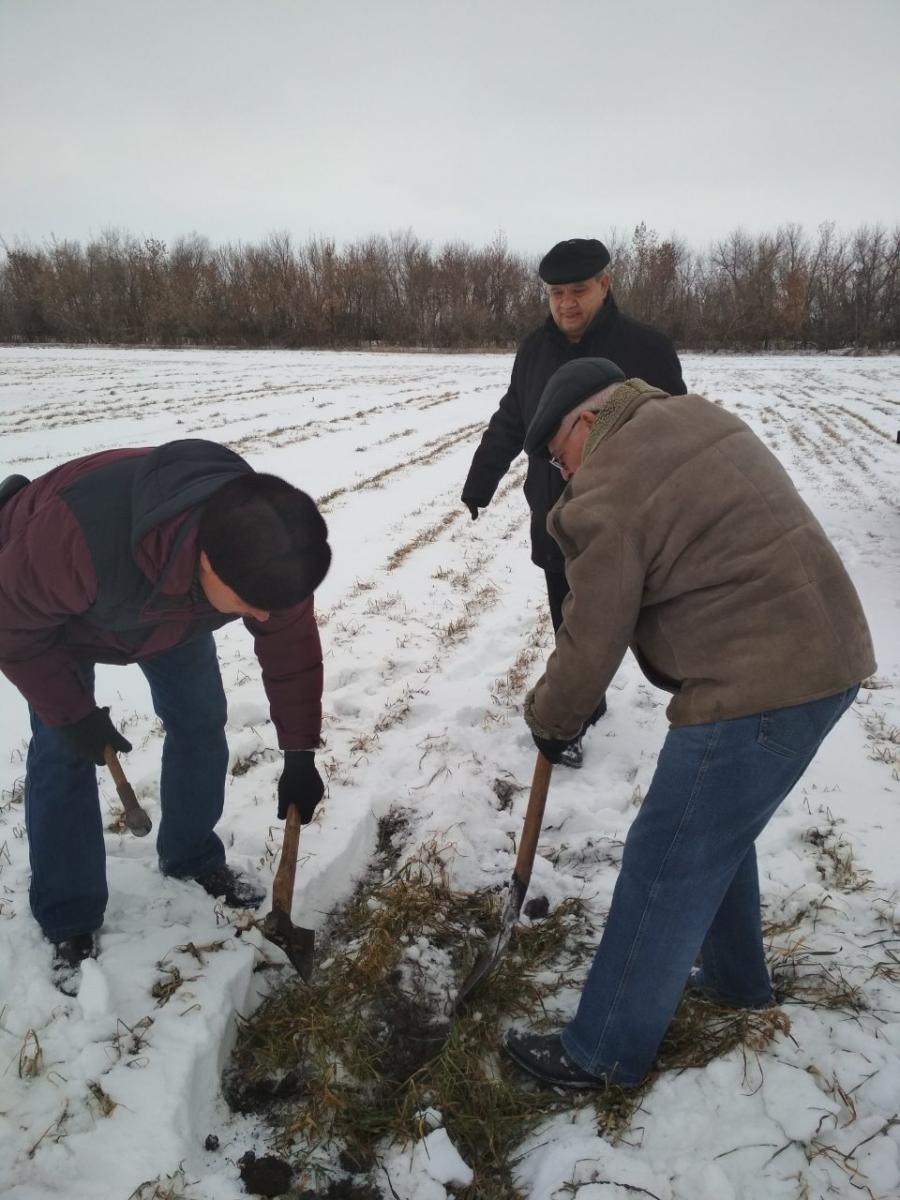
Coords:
pixel 424 617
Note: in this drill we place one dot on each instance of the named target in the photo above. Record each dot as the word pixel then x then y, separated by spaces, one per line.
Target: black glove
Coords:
pixel 552 748
pixel 300 784
pixel 473 506
pixel 90 736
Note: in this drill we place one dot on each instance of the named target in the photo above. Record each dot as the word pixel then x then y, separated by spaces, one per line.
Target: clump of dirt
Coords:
pixel 536 909
pixel 505 790
pixel 266 1176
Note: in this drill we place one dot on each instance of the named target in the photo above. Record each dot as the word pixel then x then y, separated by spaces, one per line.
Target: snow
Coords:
pixel 422 1171
pixel 423 616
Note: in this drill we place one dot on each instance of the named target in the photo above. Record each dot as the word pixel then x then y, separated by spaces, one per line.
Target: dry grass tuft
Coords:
pixel 884 740
pixel 508 689
pixel 809 914
pixel 103 1101
pixel 169 1187
pixel 13 797
pixel 379 606
pixel 242 765
pixel 31 1056
pixel 164 989
pixel 397 710
pixel 424 538
pixel 888 968
pixel 703 1031
pixel 834 861
pixel 803 978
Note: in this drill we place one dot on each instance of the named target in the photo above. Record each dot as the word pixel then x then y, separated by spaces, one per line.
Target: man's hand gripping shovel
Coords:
pixel 518 885
pixel 297 943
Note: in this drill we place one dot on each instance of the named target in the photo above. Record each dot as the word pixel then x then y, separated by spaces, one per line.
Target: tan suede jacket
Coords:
pixel 686 540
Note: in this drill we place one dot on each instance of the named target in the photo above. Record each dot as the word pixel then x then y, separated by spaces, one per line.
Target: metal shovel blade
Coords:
pixel 298 944
pixel 518 885
pixel 489 957
pixel 136 818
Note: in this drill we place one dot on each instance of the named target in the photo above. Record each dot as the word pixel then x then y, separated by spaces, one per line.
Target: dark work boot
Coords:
pixel 542 1055
pixel 68 955
pixel 233 887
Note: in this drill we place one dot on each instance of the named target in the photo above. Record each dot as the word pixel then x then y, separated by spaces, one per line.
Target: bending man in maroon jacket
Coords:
pixel 137 556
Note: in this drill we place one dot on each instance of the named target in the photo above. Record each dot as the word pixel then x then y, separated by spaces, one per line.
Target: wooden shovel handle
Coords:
pixel 283 887
pixel 534 817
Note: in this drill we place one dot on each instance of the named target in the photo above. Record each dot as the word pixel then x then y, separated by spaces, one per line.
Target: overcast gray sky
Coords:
pixel 457 118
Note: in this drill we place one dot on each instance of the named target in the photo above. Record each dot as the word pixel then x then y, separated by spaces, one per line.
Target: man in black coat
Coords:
pixel 584 322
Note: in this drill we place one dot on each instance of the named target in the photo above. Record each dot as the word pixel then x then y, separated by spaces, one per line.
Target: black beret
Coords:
pixel 578 258
pixel 565 390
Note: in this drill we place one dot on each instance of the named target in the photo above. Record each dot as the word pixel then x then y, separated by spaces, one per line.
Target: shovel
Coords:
pixel 135 817
pixel 518 885
pixel 297 943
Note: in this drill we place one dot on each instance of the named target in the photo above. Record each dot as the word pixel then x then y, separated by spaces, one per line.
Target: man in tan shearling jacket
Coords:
pixel 686 541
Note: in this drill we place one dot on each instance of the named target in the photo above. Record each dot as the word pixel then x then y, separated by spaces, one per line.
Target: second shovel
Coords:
pixel 135 817
pixel 518 885
pixel 297 943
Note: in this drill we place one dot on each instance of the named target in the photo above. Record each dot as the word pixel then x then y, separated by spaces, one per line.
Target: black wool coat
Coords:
pixel 638 349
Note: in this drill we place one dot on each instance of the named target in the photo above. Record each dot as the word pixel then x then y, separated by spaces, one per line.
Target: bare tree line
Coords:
pixel 785 290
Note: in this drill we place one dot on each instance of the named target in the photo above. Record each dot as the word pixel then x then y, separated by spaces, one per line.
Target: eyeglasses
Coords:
pixel 554 462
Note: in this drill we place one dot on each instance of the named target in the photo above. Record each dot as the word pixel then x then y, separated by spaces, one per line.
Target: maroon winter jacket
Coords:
pixel 98 563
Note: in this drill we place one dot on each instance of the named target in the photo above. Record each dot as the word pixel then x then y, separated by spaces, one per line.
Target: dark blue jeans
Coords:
pixel 688 884
pixel 62 810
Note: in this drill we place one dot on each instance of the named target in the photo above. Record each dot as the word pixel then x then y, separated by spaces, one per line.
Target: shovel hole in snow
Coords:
pixel 346 1066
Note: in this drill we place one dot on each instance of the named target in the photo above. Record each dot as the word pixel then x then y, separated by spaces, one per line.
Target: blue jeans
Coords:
pixel 688 884
pixel 62 810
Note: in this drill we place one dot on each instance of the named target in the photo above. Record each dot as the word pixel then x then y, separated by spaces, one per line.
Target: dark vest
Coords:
pixel 127 604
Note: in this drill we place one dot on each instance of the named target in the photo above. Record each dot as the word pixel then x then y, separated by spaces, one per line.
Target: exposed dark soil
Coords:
pixel 408 1035
pixel 537 908
pixel 392 829
pixel 259 1093
pixel 344 1189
